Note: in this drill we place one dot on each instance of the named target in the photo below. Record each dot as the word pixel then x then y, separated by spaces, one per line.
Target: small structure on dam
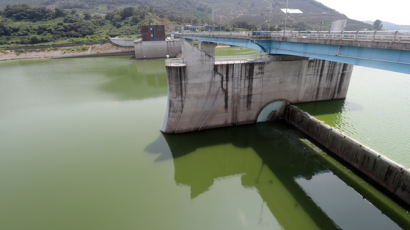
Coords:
pixel 204 93
pixel 155 45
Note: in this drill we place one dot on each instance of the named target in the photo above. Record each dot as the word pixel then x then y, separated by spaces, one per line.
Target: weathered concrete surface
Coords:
pixel 157 49
pixel 381 170
pixel 204 94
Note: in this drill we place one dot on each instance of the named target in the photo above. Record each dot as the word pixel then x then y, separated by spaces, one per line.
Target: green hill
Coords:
pixel 25 25
pixel 261 13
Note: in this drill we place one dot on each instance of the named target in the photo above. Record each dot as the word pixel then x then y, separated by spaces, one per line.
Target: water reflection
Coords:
pixel 339 201
pixel 137 80
pixel 35 83
pixel 274 155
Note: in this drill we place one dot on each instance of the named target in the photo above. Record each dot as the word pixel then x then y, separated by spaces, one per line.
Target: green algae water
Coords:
pixel 375 112
pixel 80 148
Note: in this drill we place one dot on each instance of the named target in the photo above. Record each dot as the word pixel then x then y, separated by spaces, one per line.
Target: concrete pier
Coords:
pixel 207 93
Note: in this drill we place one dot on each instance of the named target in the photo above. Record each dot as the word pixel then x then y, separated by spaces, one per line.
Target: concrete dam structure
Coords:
pixel 204 93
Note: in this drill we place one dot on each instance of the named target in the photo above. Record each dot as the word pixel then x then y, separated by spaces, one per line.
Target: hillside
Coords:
pixel 262 13
pixel 24 25
pixel 392 26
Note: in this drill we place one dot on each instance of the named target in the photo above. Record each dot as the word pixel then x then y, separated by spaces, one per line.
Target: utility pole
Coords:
pixel 286 19
pixel 213 19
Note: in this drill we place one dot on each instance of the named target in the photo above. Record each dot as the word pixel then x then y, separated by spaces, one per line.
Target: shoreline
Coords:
pixel 96 50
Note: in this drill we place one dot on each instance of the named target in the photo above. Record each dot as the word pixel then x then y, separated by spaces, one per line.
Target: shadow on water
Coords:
pixel 137 80
pixel 279 164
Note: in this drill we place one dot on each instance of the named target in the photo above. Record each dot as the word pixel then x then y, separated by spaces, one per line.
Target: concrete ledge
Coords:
pixel 381 170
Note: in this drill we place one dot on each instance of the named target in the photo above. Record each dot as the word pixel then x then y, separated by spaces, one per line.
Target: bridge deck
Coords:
pixel 371 39
pixel 382 50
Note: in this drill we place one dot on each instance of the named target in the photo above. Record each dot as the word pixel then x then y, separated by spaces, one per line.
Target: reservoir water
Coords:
pixel 80 148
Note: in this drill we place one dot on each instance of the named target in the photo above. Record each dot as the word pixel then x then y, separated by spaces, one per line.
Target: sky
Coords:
pixel 395 11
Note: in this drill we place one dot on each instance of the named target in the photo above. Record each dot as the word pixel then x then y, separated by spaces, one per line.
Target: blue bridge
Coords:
pixel 382 50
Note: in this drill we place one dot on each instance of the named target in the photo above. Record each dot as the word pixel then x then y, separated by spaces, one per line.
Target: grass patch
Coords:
pixel 235 51
pixel 74 49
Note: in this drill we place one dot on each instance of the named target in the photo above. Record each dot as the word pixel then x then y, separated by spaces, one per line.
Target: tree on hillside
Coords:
pixel 126 12
pixel 59 12
pixel 244 25
pixel 87 16
pixel 377 25
pixel 300 26
pixel 25 12
pixel 5 30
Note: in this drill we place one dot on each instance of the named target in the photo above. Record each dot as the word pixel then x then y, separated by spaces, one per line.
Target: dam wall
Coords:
pixel 157 49
pixel 386 173
pixel 204 92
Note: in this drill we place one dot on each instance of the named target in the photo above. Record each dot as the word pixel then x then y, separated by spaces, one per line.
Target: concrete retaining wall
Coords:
pixel 381 170
pixel 122 42
pixel 157 49
pixel 206 94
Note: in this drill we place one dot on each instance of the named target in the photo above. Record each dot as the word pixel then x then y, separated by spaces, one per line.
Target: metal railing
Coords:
pixel 179 62
pixel 388 36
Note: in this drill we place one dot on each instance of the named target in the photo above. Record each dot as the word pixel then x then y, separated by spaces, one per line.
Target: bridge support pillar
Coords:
pixel 205 94
pixel 208 48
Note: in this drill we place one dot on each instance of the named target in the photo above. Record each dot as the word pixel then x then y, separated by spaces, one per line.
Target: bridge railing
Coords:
pixel 241 58
pixel 390 36
pixel 395 36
